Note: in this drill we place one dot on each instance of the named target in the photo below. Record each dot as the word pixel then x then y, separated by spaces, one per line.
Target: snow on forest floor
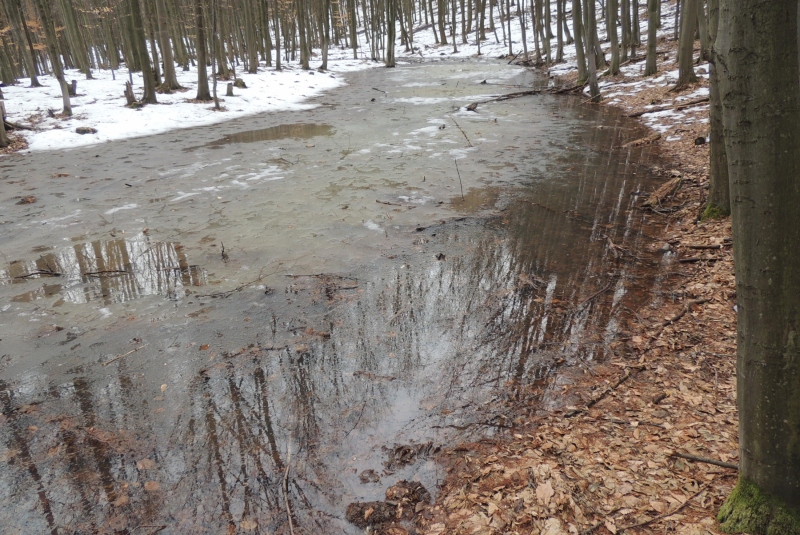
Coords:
pixel 100 103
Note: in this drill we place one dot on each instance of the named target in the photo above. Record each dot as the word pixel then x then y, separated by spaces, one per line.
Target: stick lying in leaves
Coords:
pixel 704 460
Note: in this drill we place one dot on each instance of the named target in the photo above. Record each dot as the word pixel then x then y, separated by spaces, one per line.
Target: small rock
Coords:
pixel 238 82
pixel 85 130
pixel 700 141
pixel 664 248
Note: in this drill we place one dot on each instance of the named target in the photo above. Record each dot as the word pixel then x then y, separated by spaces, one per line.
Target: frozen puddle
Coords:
pixel 179 312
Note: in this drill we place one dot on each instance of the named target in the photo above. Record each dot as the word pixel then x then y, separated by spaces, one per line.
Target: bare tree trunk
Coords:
pixel 719 196
pixel 170 78
pixel 202 59
pixel 580 56
pixel 759 68
pixel 685 54
pixel 611 29
pixel 591 35
pixel 652 26
pixel 46 15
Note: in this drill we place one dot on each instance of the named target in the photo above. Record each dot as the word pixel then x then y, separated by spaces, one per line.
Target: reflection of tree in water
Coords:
pixel 389 355
pixel 112 271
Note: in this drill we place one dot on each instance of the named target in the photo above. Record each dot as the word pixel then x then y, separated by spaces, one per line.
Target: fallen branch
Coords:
pixel 39 272
pixel 106 363
pixel 643 141
pixel 689 104
pixel 387 203
pixel 703 246
pixel 598 292
pixel 679 315
pixel 14 126
pixel 693 259
pixel 665 515
pixel 704 460
pixel 106 272
pixel 598 399
pixel 462 131
pixel 668 189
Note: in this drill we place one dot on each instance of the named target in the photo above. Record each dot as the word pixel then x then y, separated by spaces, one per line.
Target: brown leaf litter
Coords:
pixel 610 463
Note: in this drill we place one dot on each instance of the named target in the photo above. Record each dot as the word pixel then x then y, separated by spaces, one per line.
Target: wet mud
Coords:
pixel 260 323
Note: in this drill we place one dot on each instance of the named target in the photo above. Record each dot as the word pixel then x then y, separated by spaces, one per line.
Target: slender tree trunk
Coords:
pixel 611 28
pixel 759 69
pixel 591 35
pixel 391 37
pixel 686 46
pixel 580 56
pixel 170 78
pixel 559 32
pixel 140 45
pixel 719 198
pixel 203 92
pixel 46 16
pixel 652 27
pixel 14 10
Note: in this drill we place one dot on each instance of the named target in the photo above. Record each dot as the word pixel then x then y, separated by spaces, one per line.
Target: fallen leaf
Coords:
pixel 163 388
pixel 553 527
pixel 248 524
pixel 145 464
pixel 152 486
pixel 544 492
pixel 610 525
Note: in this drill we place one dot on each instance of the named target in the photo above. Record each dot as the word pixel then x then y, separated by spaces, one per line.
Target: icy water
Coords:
pixel 187 318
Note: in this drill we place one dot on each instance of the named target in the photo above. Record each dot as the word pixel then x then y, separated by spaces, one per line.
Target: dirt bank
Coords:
pixel 612 455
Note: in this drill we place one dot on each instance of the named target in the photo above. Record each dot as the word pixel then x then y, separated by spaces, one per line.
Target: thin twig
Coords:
pixel 106 363
pixel 665 515
pixel 459 179
pixel 286 482
pixel 462 131
pixel 704 460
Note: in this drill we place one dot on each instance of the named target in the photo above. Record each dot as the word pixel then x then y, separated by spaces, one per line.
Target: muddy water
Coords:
pixel 188 318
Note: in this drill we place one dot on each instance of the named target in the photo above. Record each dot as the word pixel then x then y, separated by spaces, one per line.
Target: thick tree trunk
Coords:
pixel 759 69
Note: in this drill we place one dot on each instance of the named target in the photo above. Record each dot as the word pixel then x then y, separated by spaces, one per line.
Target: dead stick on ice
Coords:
pixel 462 131
pixel 106 363
pixel 459 179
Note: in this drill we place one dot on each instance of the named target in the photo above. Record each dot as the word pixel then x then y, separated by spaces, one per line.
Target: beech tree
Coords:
pixel 759 70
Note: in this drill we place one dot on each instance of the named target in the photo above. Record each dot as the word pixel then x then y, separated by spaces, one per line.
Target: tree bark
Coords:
pixel 580 56
pixel 759 68
pixel 719 198
pixel 652 26
pixel 686 46
pixel 611 29
pixel 203 92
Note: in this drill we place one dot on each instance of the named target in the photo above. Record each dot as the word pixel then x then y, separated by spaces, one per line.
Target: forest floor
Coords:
pixel 611 458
